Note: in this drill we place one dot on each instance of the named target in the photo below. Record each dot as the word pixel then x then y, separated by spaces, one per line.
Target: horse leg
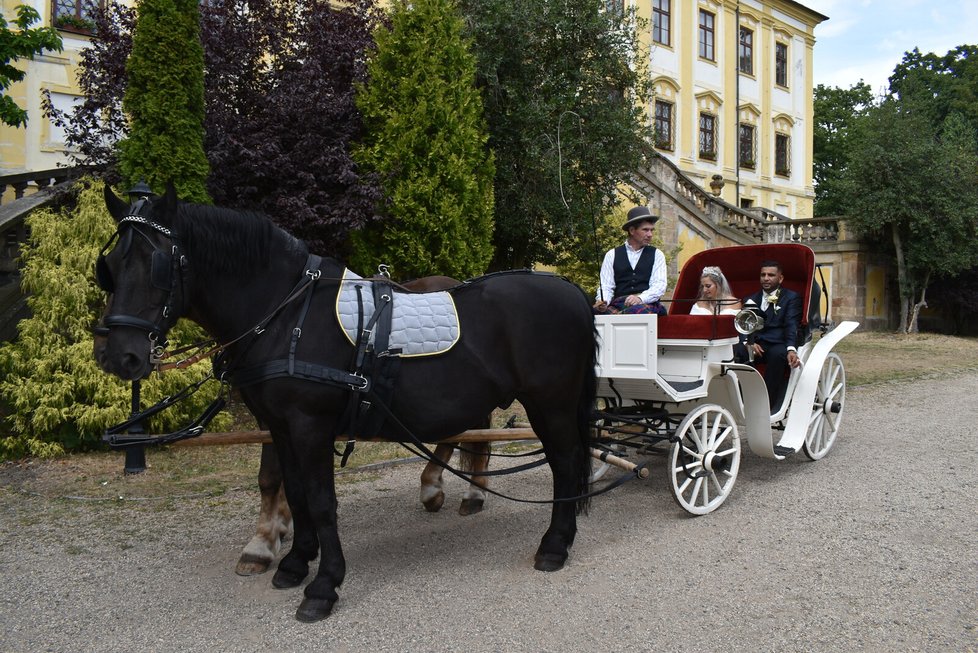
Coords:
pixel 311 489
pixel 558 432
pixel 432 494
pixel 294 566
pixel 274 519
pixel 474 457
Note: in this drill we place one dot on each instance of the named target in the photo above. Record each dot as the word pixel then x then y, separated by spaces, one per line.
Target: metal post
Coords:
pixel 135 454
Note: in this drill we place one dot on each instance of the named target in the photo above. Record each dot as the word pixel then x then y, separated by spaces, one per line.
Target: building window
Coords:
pixel 663 125
pixel 74 15
pixel 708 136
pixel 745 53
pixel 781 64
pixel 660 21
pixel 782 154
pixel 747 149
pixel 746 203
pixel 707 21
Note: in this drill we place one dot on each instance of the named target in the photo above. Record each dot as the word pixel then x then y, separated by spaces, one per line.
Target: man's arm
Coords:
pixel 792 320
pixel 657 282
pixel 606 282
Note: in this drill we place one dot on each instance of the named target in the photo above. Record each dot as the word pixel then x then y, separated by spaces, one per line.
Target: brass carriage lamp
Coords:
pixel 140 191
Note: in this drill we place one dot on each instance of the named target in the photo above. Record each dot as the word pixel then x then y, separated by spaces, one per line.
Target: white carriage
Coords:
pixel 673 379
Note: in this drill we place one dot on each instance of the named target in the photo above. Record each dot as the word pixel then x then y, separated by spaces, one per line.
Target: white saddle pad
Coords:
pixel 423 324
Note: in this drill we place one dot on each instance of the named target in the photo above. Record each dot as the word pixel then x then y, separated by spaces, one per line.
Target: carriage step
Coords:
pixel 783 451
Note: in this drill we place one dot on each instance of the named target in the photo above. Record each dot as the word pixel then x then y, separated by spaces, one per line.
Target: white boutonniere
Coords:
pixel 772 299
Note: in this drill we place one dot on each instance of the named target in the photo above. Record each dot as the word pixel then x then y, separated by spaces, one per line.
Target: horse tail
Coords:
pixel 585 408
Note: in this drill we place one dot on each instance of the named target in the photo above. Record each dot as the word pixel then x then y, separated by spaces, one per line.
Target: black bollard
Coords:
pixel 136 454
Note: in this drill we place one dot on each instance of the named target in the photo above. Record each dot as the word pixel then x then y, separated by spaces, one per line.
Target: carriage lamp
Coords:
pixel 139 191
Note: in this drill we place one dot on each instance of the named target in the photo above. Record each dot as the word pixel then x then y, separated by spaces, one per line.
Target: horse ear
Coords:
pixel 118 208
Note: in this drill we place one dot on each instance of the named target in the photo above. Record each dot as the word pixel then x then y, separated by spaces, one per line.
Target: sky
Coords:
pixel 866 39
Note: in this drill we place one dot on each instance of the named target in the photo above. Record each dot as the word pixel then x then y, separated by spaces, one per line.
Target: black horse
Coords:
pixel 527 337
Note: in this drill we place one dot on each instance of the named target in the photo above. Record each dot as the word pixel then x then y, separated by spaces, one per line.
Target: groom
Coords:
pixel 776 343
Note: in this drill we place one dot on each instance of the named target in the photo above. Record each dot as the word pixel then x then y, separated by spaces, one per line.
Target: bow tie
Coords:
pixel 772 298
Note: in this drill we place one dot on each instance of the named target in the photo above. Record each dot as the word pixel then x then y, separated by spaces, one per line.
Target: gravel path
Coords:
pixel 870 549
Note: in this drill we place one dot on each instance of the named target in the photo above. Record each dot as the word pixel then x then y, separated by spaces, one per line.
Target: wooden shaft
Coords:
pixel 263 437
pixel 620 463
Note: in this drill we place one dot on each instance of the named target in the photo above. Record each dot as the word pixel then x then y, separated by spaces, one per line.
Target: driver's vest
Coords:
pixel 627 280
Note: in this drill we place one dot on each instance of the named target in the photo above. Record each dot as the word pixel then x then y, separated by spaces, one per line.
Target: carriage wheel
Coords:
pixel 703 463
pixel 830 399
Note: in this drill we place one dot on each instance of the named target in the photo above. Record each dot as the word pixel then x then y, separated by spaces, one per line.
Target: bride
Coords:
pixel 715 295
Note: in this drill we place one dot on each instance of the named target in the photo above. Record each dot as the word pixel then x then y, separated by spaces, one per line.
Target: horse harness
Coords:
pixel 168 272
pixel 370 383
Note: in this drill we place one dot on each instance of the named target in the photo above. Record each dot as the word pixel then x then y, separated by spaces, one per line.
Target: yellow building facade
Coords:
pixel 40 145
pixel 734 96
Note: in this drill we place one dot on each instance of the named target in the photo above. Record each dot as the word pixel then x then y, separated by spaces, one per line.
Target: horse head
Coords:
pixel 143 268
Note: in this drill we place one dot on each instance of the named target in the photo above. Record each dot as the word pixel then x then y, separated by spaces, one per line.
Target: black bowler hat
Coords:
pixel 637 215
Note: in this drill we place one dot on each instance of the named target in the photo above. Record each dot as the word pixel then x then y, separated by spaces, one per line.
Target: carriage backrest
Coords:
pixel 741 265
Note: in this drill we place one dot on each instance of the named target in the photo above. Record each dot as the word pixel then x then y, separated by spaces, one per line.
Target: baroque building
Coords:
pixel 40 145
pixel 733 96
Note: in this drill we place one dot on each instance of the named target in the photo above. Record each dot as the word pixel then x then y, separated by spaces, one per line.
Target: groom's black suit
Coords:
pixel 781 324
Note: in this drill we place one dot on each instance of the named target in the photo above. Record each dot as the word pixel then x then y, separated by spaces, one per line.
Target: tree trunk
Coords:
pixel 903 282
pixel 912 326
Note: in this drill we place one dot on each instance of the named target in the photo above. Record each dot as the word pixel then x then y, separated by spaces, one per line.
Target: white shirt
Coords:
pixel 657 282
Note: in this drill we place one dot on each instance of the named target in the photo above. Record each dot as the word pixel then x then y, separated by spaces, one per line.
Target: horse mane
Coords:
pixel 231 241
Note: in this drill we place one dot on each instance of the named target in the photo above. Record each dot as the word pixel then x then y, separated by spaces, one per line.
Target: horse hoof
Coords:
pixel 252 565
pixel 283 580
pixel 470 506
pixel 434 502
pixel 549 562
pixel 311 610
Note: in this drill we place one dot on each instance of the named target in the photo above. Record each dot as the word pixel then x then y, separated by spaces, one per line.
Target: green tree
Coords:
pixel 165 100
pixel 53 395
pixel 425 135
pixel 914 185
pixel 836 109
pixel 22 43
pixel 940 85
pixel 565 86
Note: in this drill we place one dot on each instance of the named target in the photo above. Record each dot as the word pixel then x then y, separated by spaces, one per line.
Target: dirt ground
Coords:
pixel 868 549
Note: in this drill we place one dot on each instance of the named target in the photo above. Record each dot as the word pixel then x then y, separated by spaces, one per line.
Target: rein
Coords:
pixel 421 450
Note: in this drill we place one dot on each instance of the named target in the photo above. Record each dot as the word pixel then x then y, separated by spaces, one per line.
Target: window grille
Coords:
pixel 663 125
pixel 708 136
pixel 747 149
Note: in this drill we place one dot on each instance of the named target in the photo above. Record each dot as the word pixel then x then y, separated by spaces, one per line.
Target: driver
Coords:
pixel 633 276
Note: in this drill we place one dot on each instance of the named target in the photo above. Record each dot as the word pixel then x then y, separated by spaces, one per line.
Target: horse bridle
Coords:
pixel 168 271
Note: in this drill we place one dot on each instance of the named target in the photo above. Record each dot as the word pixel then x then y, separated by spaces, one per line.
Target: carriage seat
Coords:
pixel 741 265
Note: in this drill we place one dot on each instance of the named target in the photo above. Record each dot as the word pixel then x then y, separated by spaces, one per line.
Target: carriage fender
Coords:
pixel 756 412
pixel 800 412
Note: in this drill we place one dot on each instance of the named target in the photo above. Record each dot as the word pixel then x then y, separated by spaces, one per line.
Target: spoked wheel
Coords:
pixel 703 464
pixel 830 399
